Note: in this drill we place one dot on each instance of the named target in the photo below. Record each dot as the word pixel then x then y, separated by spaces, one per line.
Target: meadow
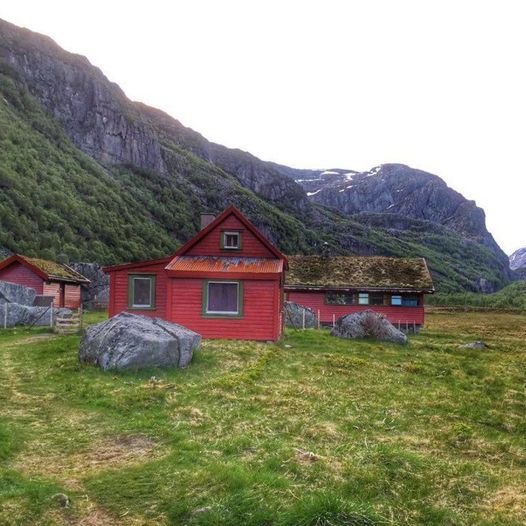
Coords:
pixel 312 431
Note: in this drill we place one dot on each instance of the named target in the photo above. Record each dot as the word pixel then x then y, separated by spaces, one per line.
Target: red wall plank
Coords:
pixel 395 314
pixel 260 321
pixel 18 273
pixel 119 290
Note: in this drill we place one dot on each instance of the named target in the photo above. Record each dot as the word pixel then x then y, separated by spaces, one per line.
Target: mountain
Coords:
pixel 87 174
pixel 518 259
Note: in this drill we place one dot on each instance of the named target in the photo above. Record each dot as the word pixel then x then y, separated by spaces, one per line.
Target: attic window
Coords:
pixel 231 241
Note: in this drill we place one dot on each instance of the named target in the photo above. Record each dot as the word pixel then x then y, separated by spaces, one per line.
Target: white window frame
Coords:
pixel 233 233
pixel 148 277
pixel 361 297
pixel 224 312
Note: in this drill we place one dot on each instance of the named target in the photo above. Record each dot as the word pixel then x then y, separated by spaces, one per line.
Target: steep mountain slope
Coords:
pixel 518 259
pixel 88 173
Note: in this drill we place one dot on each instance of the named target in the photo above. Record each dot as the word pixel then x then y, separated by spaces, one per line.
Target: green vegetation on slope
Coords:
pixel 313 431
pixel 512 296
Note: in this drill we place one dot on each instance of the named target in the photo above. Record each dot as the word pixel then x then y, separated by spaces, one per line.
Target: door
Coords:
pixel 62 300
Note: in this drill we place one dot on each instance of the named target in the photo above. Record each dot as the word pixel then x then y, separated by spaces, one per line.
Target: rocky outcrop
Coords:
pixel 15 293
pixel 518 260
pixel 109 127
pixel 299 316
pixel 132 341
pixel 96 293
pixel 367 324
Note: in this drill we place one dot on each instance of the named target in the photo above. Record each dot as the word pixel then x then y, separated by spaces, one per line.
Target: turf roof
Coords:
pixel 358 272
pixel 56 270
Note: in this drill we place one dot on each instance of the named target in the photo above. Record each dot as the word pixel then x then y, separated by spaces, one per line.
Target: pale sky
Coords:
pixel 437 85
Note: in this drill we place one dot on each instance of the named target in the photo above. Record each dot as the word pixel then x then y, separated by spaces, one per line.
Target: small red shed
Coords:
pixel 46 277
pixel 335 286
pixel 225 282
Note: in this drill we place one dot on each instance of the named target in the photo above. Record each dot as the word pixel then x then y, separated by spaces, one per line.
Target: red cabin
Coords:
pixel 335 286
pixel 225 282
pixel 46 277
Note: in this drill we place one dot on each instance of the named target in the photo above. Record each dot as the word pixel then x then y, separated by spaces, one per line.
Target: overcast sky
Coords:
pixel 439 85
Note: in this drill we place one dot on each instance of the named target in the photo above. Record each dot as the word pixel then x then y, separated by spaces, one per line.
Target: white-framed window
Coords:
pixel 223 298
pixel 363 298
pixel 396 300
pixel 231 240
pixel 141 291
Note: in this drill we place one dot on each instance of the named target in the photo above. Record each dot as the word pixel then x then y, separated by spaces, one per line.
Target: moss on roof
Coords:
pixel 56 270
pixel 359 272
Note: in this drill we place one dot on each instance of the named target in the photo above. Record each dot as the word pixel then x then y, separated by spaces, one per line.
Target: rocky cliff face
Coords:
pixel 518 260
pixel 399 191
pixel 109 127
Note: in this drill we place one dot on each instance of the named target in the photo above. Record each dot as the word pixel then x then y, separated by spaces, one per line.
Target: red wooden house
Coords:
pixel 335 286
pixel 225 282
pixel 46 277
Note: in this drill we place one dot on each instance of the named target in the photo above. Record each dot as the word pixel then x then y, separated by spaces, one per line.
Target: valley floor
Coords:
pixel 312 431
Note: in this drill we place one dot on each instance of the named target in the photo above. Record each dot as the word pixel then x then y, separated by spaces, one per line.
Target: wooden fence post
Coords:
pixel 303 323
pixel 319 321
pixel 5 315
pixel 333 321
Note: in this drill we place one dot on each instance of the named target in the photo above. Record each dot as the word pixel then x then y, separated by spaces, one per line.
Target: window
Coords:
pixel 396 300
pixel 231 240
pixel 222 298
pixel 340 298
pixel 410 301
pixel 363 298
pixel 377 298
pixel 141 291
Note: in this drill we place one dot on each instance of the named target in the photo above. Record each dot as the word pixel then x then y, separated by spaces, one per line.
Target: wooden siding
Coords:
pixel 52 288
pixel 18 273
pixel 119 290
pixel 210 245
pixel 395 314
pixel 261 316
pixel 72 296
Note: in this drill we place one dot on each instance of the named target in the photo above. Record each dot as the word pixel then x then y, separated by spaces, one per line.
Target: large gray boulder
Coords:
pixel 367 324
pixel 294 316
pixel 133 341
pixel 15 293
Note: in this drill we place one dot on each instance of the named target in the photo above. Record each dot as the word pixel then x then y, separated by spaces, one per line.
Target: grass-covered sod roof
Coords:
pixel 56 270
pixel 359 272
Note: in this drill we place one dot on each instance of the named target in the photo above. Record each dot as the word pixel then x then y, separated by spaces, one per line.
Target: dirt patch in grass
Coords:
pixel 106 454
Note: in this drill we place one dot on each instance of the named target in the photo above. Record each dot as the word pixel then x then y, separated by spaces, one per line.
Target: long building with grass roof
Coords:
pixel 335 286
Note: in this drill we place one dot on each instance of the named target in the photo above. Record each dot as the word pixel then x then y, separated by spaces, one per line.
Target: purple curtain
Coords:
pixel 222 297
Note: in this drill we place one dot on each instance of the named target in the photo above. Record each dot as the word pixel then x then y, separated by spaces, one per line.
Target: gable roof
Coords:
pixel 48 270
pixel 358 272
pixel 231 210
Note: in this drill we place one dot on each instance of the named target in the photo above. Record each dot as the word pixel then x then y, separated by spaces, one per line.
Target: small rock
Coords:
pixel 474 345
pixel 204 509
pixel 287 346
pixel 61 499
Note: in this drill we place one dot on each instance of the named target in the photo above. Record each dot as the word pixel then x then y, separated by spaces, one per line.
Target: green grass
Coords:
pixel 324 432
pixel 512 296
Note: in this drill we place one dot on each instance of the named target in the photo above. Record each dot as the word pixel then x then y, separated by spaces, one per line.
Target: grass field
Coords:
pixel 312 431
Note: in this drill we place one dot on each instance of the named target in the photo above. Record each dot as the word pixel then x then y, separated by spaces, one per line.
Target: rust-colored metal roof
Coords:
pixel 225 264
